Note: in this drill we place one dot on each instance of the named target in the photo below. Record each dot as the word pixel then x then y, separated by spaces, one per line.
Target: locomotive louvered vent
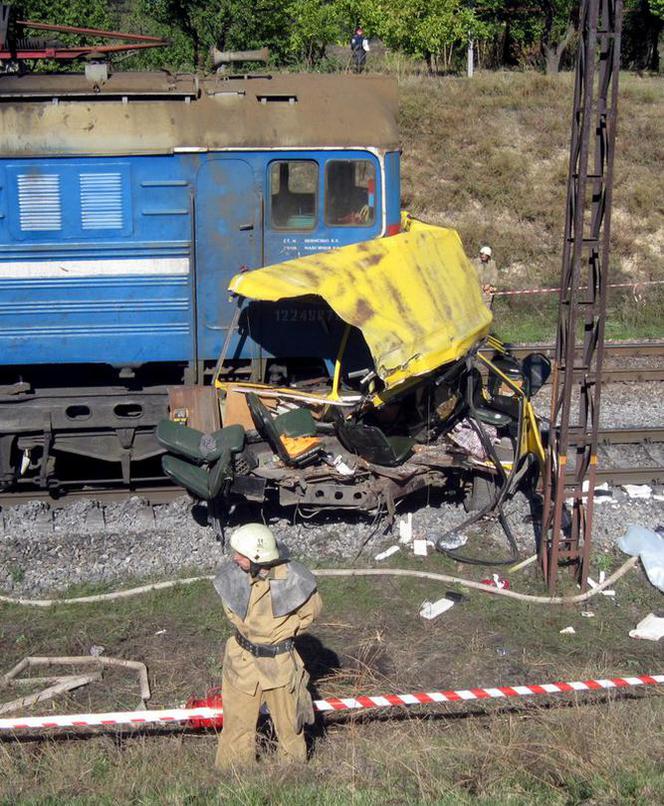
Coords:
pixel 101 201
pixel 39 202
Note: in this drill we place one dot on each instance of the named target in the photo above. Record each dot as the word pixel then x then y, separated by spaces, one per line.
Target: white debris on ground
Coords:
pixel 651 628
pixel 43 551
pixel 431 610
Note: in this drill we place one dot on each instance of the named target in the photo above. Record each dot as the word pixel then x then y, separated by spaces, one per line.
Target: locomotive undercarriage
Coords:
pixel 98 429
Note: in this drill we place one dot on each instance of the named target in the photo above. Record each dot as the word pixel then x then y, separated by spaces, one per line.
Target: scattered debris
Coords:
pixel 651 628
pixel 406 528
pixel 568 631
pixel 60 685
pixel 638 490
pixel 430 610
pixel 96 651
pixel 451 542
pixel 602 577
pixel 587 614
pixel 649 546
pixel 420 547
pixel 342 468
pixel 496 582
pixel 387 553
pixel 63 683
pixel 523 563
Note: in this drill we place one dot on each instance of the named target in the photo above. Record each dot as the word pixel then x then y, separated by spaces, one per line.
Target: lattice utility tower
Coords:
pixel 572 456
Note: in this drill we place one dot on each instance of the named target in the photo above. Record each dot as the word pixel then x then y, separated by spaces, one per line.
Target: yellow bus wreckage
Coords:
pixel 387 382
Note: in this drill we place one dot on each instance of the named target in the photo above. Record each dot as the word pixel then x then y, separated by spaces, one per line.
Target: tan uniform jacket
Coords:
pixel 241 668
pixel 487 273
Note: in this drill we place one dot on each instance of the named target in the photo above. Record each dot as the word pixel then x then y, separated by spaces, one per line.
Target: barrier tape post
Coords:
pixel 179 715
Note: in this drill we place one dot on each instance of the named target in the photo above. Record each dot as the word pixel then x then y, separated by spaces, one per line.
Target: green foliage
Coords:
pixel 428 29
pixel 509 33
pixel 314 23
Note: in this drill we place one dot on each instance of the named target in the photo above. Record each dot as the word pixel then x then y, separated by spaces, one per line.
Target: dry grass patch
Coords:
pixel 489 157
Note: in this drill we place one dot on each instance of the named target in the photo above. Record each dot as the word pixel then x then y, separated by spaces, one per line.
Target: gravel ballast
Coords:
pixel 42 552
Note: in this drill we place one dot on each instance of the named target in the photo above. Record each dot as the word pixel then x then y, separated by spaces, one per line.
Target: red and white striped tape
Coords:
pixel 527 291
pixel 176 715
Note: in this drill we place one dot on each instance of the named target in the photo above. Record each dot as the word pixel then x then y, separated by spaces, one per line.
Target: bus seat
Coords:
pixel 291 435
pixel 480 408
pixel 203 482
pixel 197 446
pixel 372 444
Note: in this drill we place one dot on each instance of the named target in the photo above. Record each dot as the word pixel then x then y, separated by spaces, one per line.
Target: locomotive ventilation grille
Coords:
pixel 39 202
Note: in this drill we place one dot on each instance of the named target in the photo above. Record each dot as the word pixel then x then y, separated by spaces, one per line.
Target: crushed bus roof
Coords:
pixel 135 113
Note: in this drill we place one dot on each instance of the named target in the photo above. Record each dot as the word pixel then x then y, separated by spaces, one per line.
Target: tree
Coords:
pixel 642 28
pixel 428 29
pixel 560 21
pixel 194 26
pixel 314 24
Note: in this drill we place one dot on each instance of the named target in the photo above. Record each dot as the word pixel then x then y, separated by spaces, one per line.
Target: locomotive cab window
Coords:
pixel 350 193
pixel 293 194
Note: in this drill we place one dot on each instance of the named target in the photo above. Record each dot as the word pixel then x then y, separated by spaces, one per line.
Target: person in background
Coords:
pixel 359 47
pixel 487 274
pixel 269 600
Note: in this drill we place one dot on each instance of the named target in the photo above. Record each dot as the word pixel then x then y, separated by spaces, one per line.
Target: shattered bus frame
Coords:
pixel 419 395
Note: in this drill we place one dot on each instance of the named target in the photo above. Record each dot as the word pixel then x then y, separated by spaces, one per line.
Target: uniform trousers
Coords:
pixel 237 742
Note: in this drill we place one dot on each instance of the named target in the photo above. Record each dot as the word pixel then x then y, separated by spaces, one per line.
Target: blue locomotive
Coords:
pixel 127 202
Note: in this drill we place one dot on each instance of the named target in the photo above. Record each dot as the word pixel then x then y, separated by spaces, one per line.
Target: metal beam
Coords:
pixel 575 398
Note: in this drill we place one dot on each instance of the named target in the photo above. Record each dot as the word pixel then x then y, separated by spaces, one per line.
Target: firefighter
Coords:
pixel 487 274
pixel 269 599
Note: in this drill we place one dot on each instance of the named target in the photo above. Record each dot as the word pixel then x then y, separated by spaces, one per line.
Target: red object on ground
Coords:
pixel 496 582
pixel 211 700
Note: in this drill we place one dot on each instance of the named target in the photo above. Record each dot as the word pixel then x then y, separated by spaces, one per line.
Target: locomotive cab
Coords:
pixel 126 209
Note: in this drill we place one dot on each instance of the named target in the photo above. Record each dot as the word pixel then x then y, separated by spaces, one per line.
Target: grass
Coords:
pixel 489 157
pixel 598 748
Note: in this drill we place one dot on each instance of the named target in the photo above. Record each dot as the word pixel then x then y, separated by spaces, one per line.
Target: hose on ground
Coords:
pixel 346 572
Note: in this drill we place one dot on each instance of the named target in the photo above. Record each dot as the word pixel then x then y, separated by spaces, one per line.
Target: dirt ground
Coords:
pixel 369 640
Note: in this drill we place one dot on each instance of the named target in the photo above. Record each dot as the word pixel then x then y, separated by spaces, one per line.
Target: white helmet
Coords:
pixel 255 541
pixel 486 250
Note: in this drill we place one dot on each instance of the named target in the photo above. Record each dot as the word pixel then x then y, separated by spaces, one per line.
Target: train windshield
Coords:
pixel 293 194
pixel 350 193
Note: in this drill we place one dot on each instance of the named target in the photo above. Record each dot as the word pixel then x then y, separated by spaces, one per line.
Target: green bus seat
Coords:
pixel 197 446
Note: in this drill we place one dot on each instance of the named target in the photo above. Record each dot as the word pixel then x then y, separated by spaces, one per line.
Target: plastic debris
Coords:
pixel 96 651
pixel 587 614
pixel 341 467
pixel 387 553
pixel 638 490
pixel 430 610
pixel 602 577
pixel 452 542
pixel 649 546
pixel 651 628
pixel 406 528
pixel 420 547
pixel 528 561
pixel 496 582
pixel 160 632
pixel 568 631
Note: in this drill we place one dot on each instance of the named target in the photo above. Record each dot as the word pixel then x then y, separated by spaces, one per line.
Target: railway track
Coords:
pixel 645 472
pixel 651 471
pixel 613 350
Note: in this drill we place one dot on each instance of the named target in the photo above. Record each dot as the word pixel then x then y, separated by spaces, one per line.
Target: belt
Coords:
pixel 264 650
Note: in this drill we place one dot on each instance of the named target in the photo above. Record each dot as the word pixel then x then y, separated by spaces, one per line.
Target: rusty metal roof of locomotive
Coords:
pixel 159 113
